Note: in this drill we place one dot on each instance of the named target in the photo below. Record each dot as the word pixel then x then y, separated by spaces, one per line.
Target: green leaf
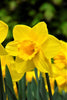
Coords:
pixel 38 85
pixel 29 92
pixel 49 86
pixel 22 88
pixel 55 85
pixel 33 89
pixel 65 97
pixel 9 86
pixel 36 74
pixel 57 95
pixel 38 91
pixel 42 89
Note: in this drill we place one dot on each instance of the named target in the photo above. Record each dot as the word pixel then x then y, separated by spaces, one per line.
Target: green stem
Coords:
pixel 1 85
pixel 49 87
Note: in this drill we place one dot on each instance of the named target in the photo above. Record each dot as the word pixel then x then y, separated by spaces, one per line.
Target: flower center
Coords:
pixel 61 59
pixel 27 49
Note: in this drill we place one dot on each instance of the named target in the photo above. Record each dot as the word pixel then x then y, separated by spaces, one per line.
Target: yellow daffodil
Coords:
pixel 61 58
pixel 32 48
pixel 60 67
pixel 60 61
pixel 3 34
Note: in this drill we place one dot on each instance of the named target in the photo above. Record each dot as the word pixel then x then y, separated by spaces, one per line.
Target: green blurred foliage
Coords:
pixel 30 12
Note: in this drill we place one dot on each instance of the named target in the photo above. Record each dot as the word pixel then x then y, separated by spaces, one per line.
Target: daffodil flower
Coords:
pixel 3 34
pixel 60 61
pixel 59 68
pixel 32 48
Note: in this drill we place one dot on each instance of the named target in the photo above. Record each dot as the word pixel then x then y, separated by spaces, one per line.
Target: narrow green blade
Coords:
pixel 57 95
pixel 29 92
pixel 9 86
pixel 42 89
pixel 22 88
pixel 1 85
pixel 33 89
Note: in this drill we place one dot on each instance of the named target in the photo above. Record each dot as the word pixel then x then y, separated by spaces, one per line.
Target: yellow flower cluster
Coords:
pixel 33 47
pixel 60 68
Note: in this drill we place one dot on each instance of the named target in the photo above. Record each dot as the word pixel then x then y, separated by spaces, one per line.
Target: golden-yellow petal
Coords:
pixel 56 71
pixel 12 48
pixel 21 32
pixel 51 46
pixel 60 80
pixel 30 75
pixel 42 63
pixel 40 32
pixel 3 31
pixel 6 59
pixel 2 50
pixel 18 69
pixel 14 74
pixel 24 66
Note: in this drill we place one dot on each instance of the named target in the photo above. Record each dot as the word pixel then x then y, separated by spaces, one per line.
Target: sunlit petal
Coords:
pixel 3 31
pixel 12 48
pixel 42 63
pixel 2 50
pixel 18 69
pixel 14 74
pixel 21 32
pixel 24 66
pixel 40 32
pixel 51 46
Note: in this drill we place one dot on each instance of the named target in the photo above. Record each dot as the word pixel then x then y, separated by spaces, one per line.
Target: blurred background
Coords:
pixel 30 12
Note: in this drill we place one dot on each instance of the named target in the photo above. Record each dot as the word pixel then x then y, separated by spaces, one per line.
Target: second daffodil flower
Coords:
pixel 3 34
pixel 32 47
